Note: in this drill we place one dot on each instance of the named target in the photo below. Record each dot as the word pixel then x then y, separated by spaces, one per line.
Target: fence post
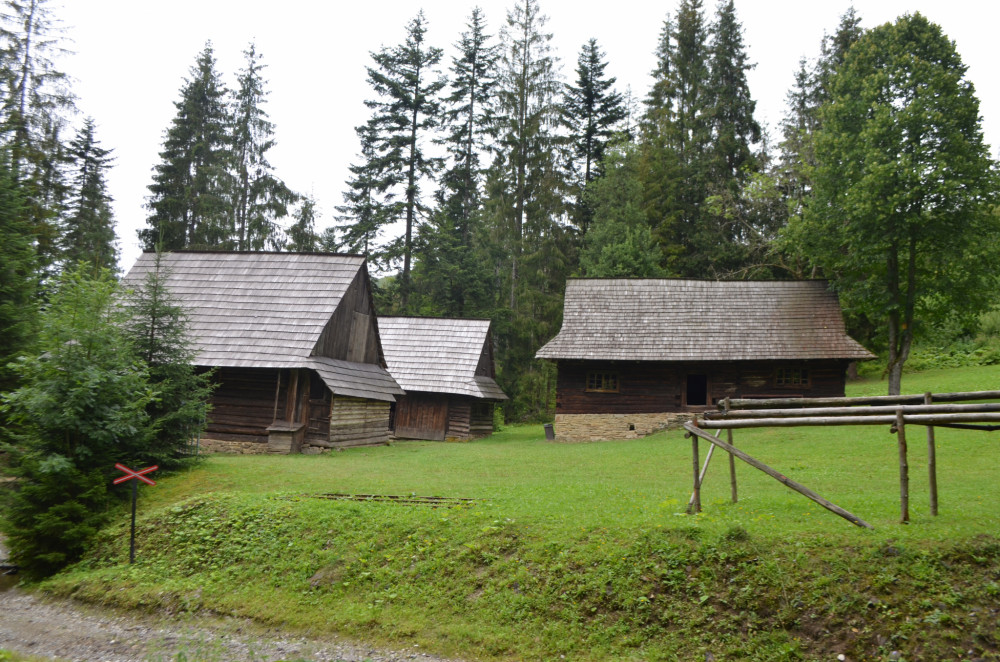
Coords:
pixel 904 470
pixel 696 499
pixel 932 461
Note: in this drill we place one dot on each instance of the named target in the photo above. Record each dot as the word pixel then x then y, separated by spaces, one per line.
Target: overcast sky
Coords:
pixel 130 59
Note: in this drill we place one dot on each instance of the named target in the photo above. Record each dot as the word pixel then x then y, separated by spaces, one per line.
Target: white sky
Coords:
pixel 131 58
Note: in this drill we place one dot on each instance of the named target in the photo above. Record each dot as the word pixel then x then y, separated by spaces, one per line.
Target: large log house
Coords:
pixel 636 355
pixel 294 343
pixel 446 368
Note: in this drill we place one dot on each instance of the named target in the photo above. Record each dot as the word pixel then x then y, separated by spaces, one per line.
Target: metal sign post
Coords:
pixel 137 475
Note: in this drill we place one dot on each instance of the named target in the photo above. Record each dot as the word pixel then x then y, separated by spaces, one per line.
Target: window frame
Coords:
pixel 603 377
pixel 791 377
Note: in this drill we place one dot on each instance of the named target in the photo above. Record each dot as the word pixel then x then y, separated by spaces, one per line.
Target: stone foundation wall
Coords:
pixel 599 427
pixel 232 447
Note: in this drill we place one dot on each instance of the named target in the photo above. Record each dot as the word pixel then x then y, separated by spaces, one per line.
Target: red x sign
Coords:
pixel 130 474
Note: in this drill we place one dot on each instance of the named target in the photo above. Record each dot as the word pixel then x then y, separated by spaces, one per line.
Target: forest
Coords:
pixel 483 180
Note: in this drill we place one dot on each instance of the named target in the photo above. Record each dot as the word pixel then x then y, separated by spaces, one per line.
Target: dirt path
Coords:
pixel 68 631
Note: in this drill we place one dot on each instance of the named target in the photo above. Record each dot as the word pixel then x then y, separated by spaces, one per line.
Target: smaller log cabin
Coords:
pixel 446 368
pixel 294 344
pixel 636 355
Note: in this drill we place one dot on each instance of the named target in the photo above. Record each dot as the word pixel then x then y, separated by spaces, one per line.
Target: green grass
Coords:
pixel 584 550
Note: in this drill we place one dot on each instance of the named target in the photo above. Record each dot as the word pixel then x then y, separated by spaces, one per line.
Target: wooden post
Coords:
pixel 784 480
pixel 732 467
pixel 695 506
pixel 704 469
pixel 904 470
pixel 932 461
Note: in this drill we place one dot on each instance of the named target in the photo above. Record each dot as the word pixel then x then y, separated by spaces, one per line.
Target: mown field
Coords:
pixel 584 550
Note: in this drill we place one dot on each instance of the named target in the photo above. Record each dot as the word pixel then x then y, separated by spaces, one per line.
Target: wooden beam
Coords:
pixel 753 403
pixel 915 419
pixel 704 470
pixel 784 480
pixel 990 407
pixel 732 466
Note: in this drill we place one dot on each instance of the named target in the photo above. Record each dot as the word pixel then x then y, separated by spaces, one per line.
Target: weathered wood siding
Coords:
pixel 481 424
pixel 459 418
pixel 243 404
pixel 653 386
pixel 351 335
pixel 422 416
pixel 358 421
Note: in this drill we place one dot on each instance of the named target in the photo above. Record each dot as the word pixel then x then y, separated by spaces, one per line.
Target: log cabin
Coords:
pixel 446 368
pixel 293 341
pixel 638 355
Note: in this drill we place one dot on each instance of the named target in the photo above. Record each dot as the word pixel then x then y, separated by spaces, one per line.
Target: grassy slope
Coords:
pixel 583 549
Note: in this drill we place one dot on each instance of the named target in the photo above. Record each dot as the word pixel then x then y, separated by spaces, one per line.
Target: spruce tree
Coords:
pixel 189 199
pixel 406 109
pixel 156 327
pixel 592 111
pixel 366 209
pixel 301 233
pixel 259 199
pixel 36 100
pixel 88 229
pixel 18 281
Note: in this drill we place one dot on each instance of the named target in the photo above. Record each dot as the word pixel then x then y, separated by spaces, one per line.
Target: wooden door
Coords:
pixel 421 416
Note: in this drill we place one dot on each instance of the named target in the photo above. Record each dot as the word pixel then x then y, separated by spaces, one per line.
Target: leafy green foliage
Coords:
pixel 901 218
pixel 80 408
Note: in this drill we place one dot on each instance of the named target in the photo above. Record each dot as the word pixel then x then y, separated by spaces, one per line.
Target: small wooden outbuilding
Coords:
pixel 295 346
pixel 446 368
pixel 635 355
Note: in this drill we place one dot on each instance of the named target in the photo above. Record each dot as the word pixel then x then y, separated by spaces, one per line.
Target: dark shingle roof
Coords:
pixel 264 310
pixel 695 320
pixel 438 355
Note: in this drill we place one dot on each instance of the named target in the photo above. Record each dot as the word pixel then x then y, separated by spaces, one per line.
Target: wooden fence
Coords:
pixel 931 410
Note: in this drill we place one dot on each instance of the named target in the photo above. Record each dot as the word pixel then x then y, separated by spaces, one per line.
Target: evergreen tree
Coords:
pixel 80 408
pixel 259 199
pixel 189 201
pixel 620 242
pixel 593 112
pixel 302 235
pixel 469 118
pixel 18 282
pixel 89 233
pixel 450 276
pixel 532 251
pixel 156 327
pixel 36 100
pixel 406 109
pixel 734 129
pixel 367 207
pixel 901 217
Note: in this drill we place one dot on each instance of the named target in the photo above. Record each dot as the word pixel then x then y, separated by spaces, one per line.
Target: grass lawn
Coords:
pixel 584 550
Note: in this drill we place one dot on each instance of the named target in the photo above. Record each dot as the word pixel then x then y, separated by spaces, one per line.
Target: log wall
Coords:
pixel 653 387
pixel 358 422
pixel 243 404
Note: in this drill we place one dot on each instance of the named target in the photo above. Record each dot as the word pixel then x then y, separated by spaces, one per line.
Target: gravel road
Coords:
pixel 65 630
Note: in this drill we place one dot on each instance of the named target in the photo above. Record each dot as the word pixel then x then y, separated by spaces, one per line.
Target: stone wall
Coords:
pixel 599 427
pixel 231 447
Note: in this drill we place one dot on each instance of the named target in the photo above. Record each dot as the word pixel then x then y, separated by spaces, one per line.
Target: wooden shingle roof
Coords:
pixel 696 320
pixel 265 310
pixel 439 355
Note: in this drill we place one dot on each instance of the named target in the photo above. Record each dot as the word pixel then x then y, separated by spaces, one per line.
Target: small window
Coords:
pixel 791 377
pixel 602 382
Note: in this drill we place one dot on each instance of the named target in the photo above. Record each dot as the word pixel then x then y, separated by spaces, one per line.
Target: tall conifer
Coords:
pixel 89 233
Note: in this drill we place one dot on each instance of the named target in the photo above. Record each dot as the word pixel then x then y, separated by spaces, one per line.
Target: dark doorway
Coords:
pixel 697 390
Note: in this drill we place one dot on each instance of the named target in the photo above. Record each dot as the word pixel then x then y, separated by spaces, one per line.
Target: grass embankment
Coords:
pixel 584 550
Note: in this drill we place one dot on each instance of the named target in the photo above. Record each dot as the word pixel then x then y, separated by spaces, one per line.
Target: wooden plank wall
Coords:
pixel 349 336
pixel 652 387
pixel 481 424
pixel 459 418
pixel 358 422
pixel 243 404
pixel 421 416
